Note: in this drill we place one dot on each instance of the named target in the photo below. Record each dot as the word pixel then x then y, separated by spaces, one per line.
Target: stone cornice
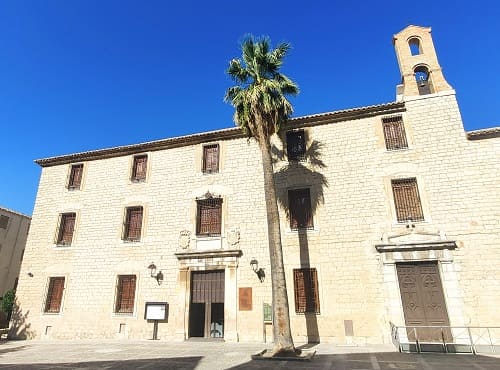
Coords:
pixel 224 134
pixel 220 253
pixel 409 247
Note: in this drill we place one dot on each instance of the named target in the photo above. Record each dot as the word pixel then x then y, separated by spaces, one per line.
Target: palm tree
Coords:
pixel 261 110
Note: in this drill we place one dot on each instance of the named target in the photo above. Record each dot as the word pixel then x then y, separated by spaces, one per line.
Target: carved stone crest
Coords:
pixel 184 238
pixel 233 236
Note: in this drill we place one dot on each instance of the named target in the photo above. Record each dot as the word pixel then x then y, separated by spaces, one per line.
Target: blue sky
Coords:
pixel 81 75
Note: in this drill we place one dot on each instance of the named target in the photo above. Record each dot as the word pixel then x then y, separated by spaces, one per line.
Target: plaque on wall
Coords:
pixel 245 299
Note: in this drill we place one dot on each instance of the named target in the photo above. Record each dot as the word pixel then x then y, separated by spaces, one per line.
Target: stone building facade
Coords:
pixel 14 228
pixel 389 214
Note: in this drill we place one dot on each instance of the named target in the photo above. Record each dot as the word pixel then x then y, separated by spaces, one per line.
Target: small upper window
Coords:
pixel 296 145
pixel 299 202
pixel 139 168
pixel 4 222
pixel 394 133
pixel 66 228
pixel 210 158
pixel 415 47
pixel 75 177
pixel 133 224
pixel 407 200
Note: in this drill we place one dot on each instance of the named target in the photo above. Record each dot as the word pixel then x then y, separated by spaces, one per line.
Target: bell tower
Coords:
pixel 421 73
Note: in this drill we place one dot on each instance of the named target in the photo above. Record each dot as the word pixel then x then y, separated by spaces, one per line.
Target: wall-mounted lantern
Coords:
pixel 158 276
pixel 258 271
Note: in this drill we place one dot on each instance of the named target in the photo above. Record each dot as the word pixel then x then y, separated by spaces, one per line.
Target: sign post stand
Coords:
pixel 267 319
pixel 156 311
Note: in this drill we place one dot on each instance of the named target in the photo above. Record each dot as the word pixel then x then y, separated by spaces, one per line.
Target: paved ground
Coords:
pixel 115 354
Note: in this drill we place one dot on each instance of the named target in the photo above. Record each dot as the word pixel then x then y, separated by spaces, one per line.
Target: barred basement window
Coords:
pixel 299 202
pixel 66 228
pixel 407 200
pixel 139 168
pixel 133 224
pixel 75 177
pixel 125 294
pixel 210 158
pixel 4 222
pixel 54 295
pixel 209 217
pixel 296 145
pixel 306 290
pixel 394 133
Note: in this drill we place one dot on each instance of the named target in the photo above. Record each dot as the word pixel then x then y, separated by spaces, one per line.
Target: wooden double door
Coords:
pixel 206 310
pixel 423 301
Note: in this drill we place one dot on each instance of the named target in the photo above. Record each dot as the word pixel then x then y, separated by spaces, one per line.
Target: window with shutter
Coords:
pixel 299 202
pixel 139 168
pixel 125 294
pixel 407 200
pixel 75 177
pixel 296 145
pixel 306 290
pixel 394 133
pixel 4 222
pixel 54 295
pixel 66 228
pixel 210 158
pixel 133 224
pixel 209 217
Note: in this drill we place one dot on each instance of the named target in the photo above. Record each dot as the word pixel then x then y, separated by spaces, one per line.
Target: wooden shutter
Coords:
pixel 296 145
pixel 306 290
pixel 211 158
pixel 66 228
pixel 209 220
pixel 75 178
pixel 407 200
pixel 54 295
pixel 299 202
pixel 133 224
pixel 207 286
pixel 394 133
pixel 125 294
pixel 140 167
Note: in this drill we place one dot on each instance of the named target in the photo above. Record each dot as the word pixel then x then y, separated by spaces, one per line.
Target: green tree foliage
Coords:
pixel 261 110
pixel 8 301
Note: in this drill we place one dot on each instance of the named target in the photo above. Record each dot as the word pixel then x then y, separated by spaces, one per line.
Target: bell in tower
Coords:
pixel 421 73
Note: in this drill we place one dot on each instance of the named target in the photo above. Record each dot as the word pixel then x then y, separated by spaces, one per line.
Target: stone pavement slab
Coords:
pixel 115 354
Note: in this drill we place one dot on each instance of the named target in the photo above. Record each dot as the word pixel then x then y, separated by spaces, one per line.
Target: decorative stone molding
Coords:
pixel 233 236
pixel 184 239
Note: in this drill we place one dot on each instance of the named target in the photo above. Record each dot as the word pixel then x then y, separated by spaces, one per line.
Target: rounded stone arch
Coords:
pixel 415 45
pixel 422 75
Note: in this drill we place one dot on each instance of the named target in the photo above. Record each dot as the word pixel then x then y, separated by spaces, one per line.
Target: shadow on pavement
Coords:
pixel 173 363
pixel 383 361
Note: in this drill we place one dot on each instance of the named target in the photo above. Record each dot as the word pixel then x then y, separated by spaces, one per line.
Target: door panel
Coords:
pixel 206 318
pixel 423 300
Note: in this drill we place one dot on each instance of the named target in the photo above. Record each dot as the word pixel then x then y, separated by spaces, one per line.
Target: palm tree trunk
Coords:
pixel 283 342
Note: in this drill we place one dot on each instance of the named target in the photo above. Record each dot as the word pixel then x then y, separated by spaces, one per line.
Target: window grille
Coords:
pixel 125 294
pixel 394 133
pixel 407 200
pixel 133 224
pixel 211 158
pixel 54 295
pixel 66 228
pixel 306 290
pixel 75 177
pixel 296 145
pixel 209 218
pixel 139 168
pixel 299 202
